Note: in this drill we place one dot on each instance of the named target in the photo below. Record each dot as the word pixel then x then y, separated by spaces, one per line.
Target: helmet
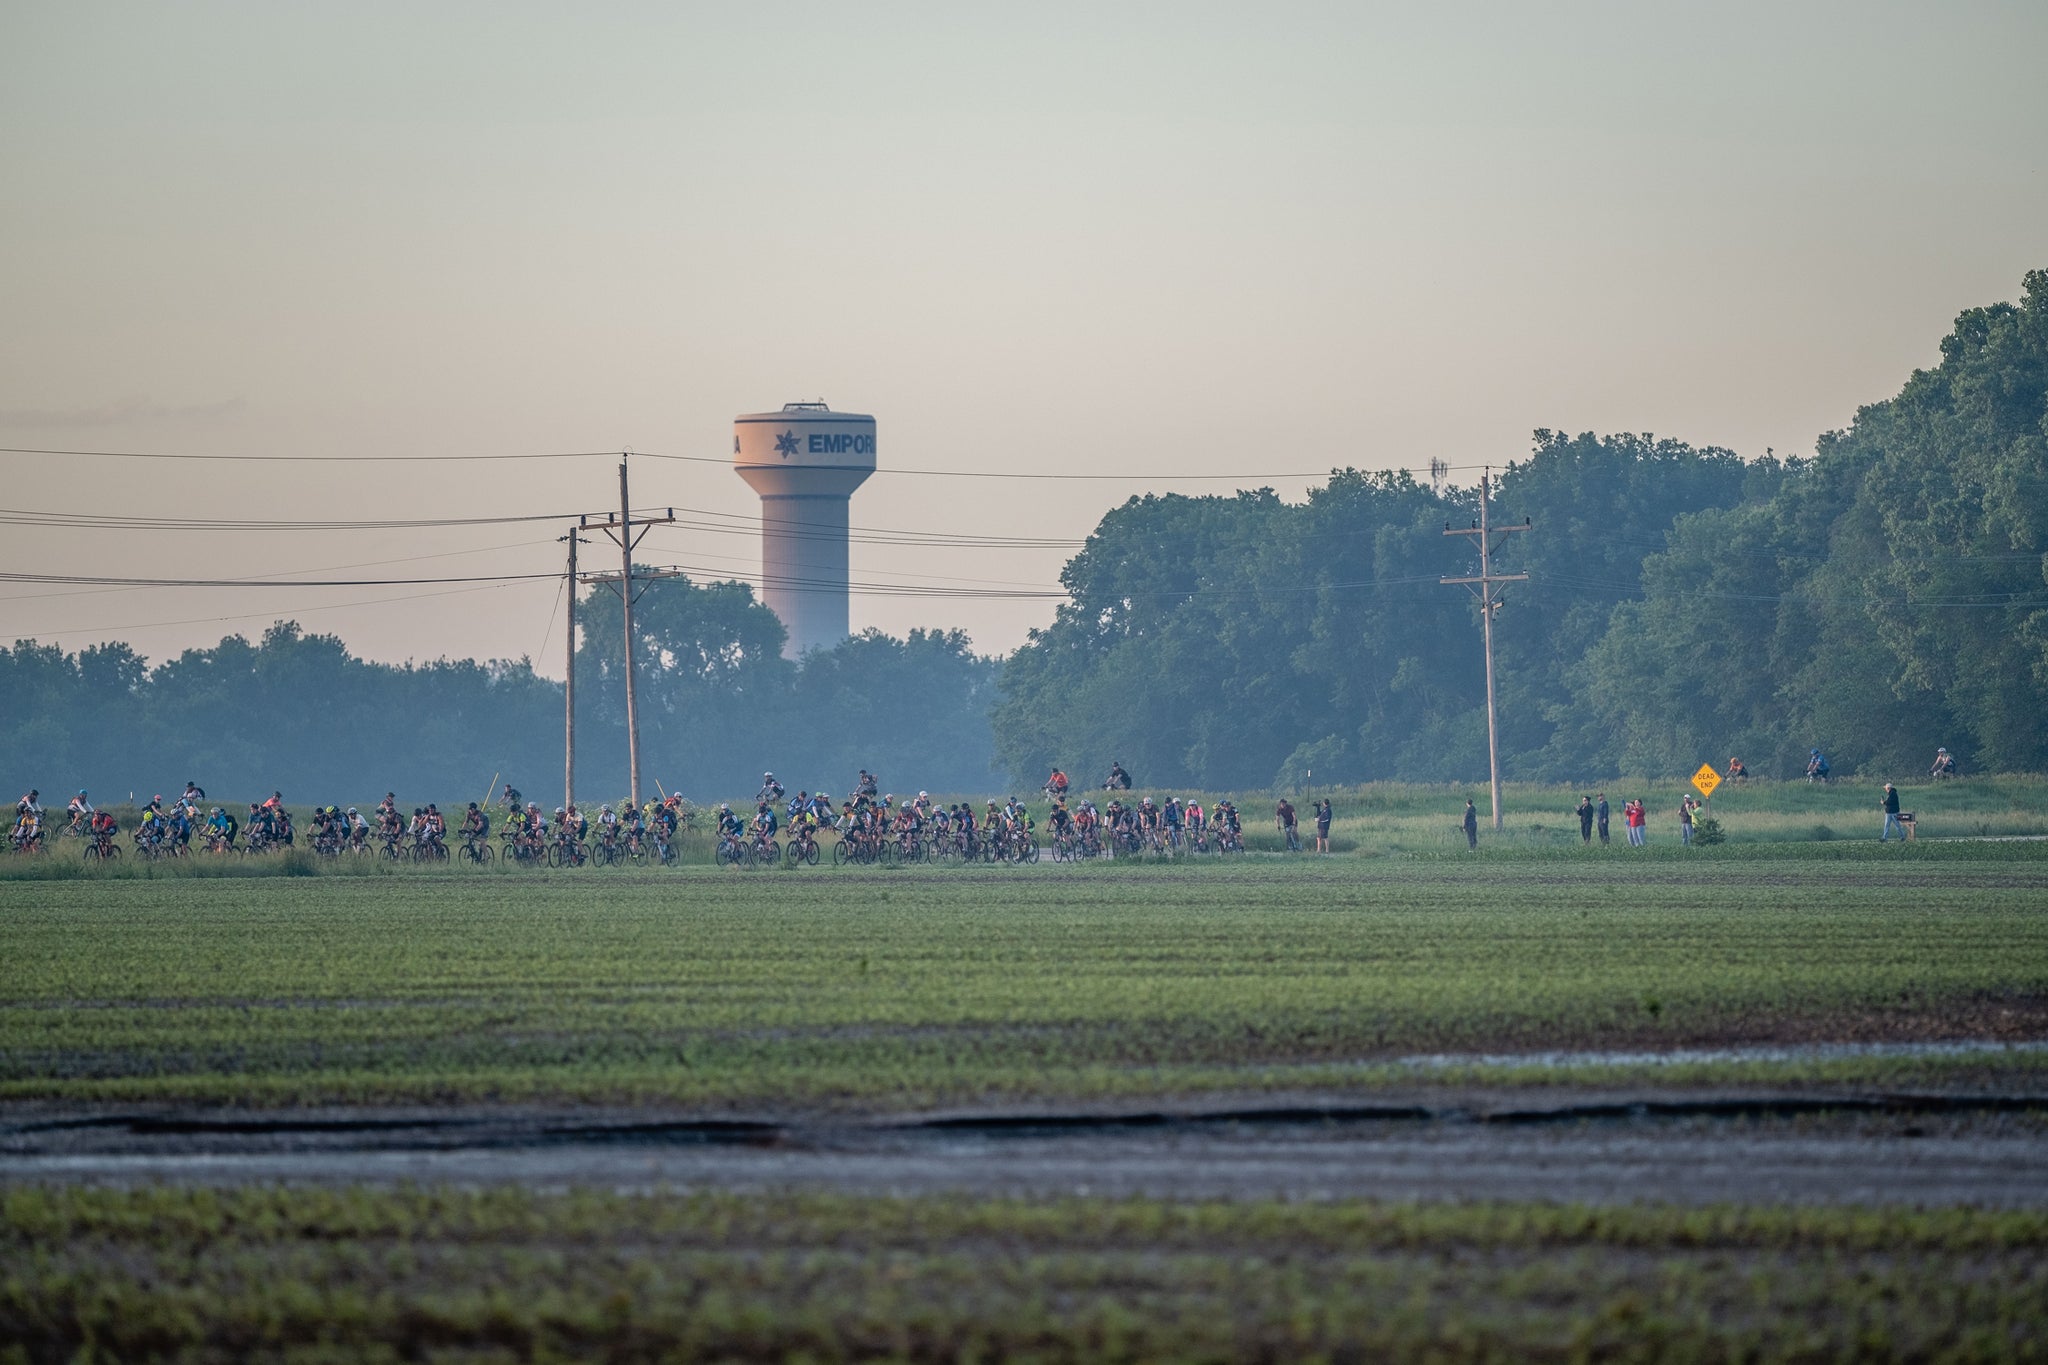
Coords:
pixel 216 810
pixel 922 796
pixel 560 811
pixel 607 809
pixel 351 810
pixel 81 790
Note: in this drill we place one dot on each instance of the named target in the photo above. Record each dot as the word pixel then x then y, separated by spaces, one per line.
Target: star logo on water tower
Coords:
pixel 785 444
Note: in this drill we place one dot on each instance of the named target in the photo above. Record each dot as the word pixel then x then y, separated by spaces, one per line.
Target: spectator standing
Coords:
pixel 1471 824
pixel 1586 819
pixel 1601 812
pixel 1632 814
pixel 1685 822
pixel 1891 814
pixel 1283 816
pixel 1323 825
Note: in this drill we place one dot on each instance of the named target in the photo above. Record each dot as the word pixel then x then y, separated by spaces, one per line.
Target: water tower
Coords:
pixel 805 461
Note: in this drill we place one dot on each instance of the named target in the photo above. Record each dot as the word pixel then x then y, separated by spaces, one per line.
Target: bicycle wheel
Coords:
pixel 771 852
pixel 794 854
pixel 811 854
pixel 840 855
pixel 1030 854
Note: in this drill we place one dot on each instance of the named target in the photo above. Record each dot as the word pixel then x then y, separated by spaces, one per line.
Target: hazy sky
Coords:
pixel 1104 238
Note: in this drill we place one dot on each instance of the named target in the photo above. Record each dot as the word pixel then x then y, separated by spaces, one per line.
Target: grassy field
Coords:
pixel 512 1275
pixel 892 990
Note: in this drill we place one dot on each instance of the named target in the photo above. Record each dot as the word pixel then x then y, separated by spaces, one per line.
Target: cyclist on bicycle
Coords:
pixel 1170 819
pixel 475 825
pixel 80 811
pixel 437 829
pixel 771 790
pixel 28 814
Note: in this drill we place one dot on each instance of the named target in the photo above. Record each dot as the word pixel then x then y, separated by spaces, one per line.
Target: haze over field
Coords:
pixel 1195 240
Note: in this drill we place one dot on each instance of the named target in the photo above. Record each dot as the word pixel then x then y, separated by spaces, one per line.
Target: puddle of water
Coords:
pixel 1809 1052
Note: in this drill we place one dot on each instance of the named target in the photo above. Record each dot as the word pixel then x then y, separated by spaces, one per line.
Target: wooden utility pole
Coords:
pixel 1489 602
pixel 621 528
pixel 569 686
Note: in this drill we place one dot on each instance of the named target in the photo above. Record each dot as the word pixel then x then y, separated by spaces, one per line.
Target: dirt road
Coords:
pixel 1606 1148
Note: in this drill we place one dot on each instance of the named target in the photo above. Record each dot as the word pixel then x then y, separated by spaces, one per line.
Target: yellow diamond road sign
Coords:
pixel 1706 779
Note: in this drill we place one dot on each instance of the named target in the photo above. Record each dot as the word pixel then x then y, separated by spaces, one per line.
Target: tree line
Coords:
pixel 1887 595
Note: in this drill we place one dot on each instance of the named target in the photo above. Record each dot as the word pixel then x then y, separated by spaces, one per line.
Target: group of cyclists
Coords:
pixel 867 826
pixel 872 826
pixel 647 832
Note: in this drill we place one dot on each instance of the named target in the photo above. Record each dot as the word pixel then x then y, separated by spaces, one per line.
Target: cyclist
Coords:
pixel 1197 829
pixel 437 829
pixel 1170 818
pixel 27 812
pixel 868 785
pixel 193 795
pixel 80 811
pixel 1944 765
pixel 607 825
pixel 1817 767
pixel 1056 785
pixel 1118 780
pixel 475 824
pixel 771 790
pixel 358 829
pixel 28 820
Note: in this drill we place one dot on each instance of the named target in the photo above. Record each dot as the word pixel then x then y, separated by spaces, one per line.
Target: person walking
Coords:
pixel 1323 825
pixel 1891 814
pixel 1586 819
pixel 1471 825
pixel 1283 816
pixel 1600 812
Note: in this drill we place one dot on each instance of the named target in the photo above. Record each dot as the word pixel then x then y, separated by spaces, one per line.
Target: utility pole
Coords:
pixel 1489 602
pixel 569 685
pixel 620 528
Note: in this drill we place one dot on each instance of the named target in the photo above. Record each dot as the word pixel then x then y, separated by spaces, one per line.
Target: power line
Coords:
pixel 96 521
pixel 306 459
pixel 119 582
pixel 1264 476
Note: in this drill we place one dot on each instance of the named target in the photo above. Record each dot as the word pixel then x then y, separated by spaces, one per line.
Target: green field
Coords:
pixel 875 990
pixel 510 1275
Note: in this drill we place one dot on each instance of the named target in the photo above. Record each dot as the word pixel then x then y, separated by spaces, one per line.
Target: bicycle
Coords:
pixel 102 848
pixel 476 848
pixel 802 849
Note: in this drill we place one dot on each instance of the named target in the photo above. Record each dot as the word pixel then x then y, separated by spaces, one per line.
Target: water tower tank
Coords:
pixel 805 461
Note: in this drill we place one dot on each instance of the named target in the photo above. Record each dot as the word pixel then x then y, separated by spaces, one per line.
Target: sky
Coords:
pixel 1159 242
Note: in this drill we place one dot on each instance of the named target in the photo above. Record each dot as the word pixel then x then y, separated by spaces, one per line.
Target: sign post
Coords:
pixel 1706 779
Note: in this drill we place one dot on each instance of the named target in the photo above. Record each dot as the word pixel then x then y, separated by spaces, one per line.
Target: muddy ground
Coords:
pixel 1588 1146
